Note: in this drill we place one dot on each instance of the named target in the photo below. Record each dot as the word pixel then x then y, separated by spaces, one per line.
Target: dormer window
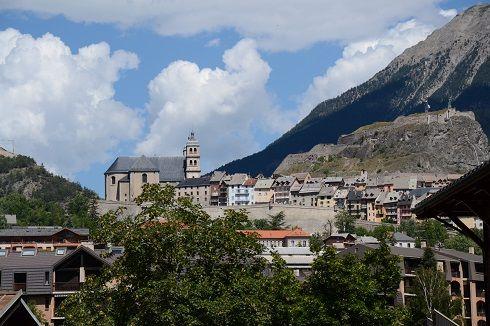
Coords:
pixel 144 178
pixel 60 251
pixel 28 252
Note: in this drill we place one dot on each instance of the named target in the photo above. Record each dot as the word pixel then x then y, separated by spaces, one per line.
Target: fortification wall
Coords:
pixel 311 219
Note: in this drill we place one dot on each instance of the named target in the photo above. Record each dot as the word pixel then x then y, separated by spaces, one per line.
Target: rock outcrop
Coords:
pixel 446 141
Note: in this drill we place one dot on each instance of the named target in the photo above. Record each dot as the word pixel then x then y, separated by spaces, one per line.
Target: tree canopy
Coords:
pixel 180 267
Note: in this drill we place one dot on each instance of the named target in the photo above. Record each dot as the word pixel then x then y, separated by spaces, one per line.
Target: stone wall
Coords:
pixel 311 219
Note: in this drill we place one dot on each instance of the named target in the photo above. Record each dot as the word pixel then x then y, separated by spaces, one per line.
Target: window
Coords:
pixel 60 251
pixel 3 252
pixel 46 278
pixel 20 280
pixel 46 303
pixel 113 180
pixel 28 252
pixel 144 178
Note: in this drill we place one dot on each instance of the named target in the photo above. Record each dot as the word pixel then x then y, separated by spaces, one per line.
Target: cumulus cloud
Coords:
pixel 360 61
pixel 450 13
pixel 275 24
pixel 59 106
pixel 224 106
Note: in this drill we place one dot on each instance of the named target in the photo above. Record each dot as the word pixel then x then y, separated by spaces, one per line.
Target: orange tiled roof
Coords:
pixel 278 234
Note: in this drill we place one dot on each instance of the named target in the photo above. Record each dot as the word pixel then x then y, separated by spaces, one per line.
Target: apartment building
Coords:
pixel 45 238
pixel 264 191
pixel 325 196
pixel 308 194
pixel 196 189
pixel 238 193
pixel 464 273
pixel 215 183
pixel 282 189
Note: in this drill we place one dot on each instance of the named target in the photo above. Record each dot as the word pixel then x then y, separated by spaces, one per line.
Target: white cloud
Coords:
pixel 224 106
pixel 59 106
pixel 360 61
pixel 275 24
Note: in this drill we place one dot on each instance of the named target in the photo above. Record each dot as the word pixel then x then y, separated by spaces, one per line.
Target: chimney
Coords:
pixel 471 250
pixel 423 244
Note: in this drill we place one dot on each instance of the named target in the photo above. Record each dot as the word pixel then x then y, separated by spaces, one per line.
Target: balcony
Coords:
pixel 20 286
pixel 67 286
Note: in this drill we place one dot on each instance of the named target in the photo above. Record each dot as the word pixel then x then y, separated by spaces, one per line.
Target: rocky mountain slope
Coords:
pixel 445 141
pixel 38 197
pixel 452 63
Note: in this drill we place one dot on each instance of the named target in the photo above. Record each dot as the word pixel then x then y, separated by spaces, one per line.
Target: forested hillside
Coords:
pixel 39 197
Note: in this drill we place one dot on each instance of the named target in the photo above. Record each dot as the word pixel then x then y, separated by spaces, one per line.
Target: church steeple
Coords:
pixel 192 155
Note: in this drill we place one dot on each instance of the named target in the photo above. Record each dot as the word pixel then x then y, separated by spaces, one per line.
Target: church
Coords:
pixel 125 178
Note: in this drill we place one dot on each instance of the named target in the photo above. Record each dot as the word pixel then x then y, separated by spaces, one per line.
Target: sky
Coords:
pixel 82 82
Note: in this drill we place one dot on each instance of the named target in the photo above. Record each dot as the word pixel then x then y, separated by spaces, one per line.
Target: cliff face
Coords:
pixel 452 63
pixel 444 141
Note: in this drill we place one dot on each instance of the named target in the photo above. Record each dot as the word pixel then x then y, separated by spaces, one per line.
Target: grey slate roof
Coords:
pixel 327 191
pixel 38 231
pixel 354 195
pixel 170 168
pixel 264 183
pixel 195 182
pixel 402 237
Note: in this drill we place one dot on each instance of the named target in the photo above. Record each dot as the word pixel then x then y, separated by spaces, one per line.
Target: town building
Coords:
pixel 308 194
pixel 354 203
pixel 196 189
pixel 237 193
pixel 340 199
pixel 42 238
pixel 325 196
pixel 402 240
pixel 298 259
pixel 282 189
pixel 125 178
pixel 215 184
pixel 295 237
pixel 264 191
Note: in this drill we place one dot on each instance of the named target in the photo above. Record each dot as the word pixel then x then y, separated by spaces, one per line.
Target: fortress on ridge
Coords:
pixel 125 178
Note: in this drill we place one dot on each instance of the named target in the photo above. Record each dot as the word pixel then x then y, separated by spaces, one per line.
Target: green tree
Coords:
pixel 410 227
pixel 350 291
pixel 461 243
pixel 431 292
pixel 277 221
pixel 180 267
pixel 3 222
pixel 434 232
pixel 384 232
pixel 344 222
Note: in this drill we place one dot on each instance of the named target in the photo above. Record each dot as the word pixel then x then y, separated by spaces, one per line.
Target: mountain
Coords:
pixel 446 141
pixel 452 63
pixel 38 197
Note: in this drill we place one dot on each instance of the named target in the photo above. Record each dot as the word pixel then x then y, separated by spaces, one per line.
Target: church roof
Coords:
pixel 170 168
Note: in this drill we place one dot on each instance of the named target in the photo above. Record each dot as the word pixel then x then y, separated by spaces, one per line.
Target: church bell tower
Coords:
pixel 192 154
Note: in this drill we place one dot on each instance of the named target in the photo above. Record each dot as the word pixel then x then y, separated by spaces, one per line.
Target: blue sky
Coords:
pixel 239 77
